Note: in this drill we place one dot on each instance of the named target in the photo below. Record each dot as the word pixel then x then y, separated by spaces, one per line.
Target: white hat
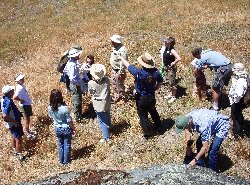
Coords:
pixel 146 60
pixel 19 77
pixel 6 89
pixel 116 39
pixel 238 68
pixel 74 53
pixel 98 71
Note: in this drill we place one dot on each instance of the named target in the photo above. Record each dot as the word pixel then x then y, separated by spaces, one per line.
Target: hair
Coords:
pixel 172 41
pixel 92 58
pixel 196 51
pixel 56 98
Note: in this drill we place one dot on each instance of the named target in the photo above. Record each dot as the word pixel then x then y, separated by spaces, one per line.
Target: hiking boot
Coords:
pixel 30 135
pixel 21 157
pixel 102 141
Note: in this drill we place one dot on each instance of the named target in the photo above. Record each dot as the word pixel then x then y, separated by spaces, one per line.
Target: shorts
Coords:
pixel 17 132
pixel 26 110
pixel 200 80
pixel 222 77
pixel 170 75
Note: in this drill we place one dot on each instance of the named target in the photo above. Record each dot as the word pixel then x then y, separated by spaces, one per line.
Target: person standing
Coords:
pixel 236 97
pixel 21 95
pixel 222 67
pixel 209 123
pixel 85 69
pixel 118 73
pixel 72 70
pixel 63 125
pixel 12 120
pixel 170 58
pixel 99 88
pixel 147 81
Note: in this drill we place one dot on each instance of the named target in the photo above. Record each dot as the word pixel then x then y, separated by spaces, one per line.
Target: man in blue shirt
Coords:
pixel 222 67
pixel 209 123
pixel 147 81
pixel 72 70
pixel 12 120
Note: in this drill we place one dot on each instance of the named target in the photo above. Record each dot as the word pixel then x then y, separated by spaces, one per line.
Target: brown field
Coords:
pixel 34 34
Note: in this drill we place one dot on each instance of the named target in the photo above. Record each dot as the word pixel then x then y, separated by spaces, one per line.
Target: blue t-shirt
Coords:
pixel 145 79
pixel 9 108
pixel 212 59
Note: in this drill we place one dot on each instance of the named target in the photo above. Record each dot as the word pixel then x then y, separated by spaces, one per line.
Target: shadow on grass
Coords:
pixel 224 163
pixel 167 124
pixel 42 125
pixel 246 129
pixel 82 152
pixel 89 112
pixel 181 91
pixel 224 101
pixel 119 127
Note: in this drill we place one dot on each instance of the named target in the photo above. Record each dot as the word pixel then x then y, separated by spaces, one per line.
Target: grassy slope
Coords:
pixel 35 33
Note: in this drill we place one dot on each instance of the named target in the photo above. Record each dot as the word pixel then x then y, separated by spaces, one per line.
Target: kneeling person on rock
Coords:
pixel 208 123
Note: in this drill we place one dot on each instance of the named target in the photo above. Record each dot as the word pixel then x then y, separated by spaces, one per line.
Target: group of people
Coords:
pixel 148 79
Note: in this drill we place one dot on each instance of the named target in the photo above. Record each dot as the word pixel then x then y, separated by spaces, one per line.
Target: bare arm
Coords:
pixel 188 135
pixel 124 61
pixel 72 126
pixel 177 57
pixel 15 97
pixel 203 150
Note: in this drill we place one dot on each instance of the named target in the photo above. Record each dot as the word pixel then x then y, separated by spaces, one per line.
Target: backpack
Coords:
pixel 247 94
pixel 62 63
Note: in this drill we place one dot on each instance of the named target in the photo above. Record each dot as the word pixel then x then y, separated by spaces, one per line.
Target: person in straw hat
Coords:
pixel 99 89
pixel 236 96
pixel 147 81
pixel 12 120
pixel 118 73
pixel 72 70
pixel 210 124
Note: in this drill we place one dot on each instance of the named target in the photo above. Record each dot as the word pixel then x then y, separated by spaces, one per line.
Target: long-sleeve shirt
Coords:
pixel 212 59
pixel 209 122
pixel 115 62
pixel 72 70
pixel 238 88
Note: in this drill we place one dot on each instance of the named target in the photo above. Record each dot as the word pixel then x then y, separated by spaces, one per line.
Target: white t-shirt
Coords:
pixel 22 93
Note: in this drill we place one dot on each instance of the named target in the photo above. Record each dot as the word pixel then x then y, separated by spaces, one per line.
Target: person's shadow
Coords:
pixel 246 129
pixel 120 127
pixel 167 124
pixel 224 163
pixel 83 152
pixel 89 112
pixel 224 101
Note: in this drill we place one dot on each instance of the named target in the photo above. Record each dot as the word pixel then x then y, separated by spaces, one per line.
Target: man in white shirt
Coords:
pixel 21 95
pixel 72 70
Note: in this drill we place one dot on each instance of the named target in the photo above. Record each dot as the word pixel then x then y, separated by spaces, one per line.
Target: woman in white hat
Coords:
pixel 99 88
pixel 236 96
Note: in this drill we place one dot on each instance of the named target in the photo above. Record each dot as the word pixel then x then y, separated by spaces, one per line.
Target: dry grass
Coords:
pixel 34 34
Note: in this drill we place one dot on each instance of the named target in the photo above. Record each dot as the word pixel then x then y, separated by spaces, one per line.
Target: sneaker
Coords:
pixel 30 136
pixel 171 100
pixel 104 141
pixel 168 96
pixel 21 157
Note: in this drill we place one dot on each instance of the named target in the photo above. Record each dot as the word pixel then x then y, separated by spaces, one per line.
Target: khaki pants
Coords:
pixel 118 84
pixel 76 93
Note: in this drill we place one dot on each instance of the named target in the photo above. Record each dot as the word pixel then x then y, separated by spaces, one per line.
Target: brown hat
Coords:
pixel 146 60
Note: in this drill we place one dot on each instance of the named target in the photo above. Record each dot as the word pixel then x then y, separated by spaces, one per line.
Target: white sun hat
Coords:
pixel 116 39
pixel 19 77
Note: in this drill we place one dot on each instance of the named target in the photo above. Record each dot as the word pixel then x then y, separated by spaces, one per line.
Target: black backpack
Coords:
pixel 62 63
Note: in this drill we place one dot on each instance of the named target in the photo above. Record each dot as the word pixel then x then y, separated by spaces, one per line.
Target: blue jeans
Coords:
pixel 212 153
pixel 104 121
pixel 64 136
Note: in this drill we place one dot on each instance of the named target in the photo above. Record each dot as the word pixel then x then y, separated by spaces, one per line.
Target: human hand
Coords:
pixel 193 162
pixel 172 64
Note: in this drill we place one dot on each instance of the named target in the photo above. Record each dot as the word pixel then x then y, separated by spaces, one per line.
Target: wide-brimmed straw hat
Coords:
pixel 74 53
pixel 98 71
pixel 116 39
pixel 146 60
